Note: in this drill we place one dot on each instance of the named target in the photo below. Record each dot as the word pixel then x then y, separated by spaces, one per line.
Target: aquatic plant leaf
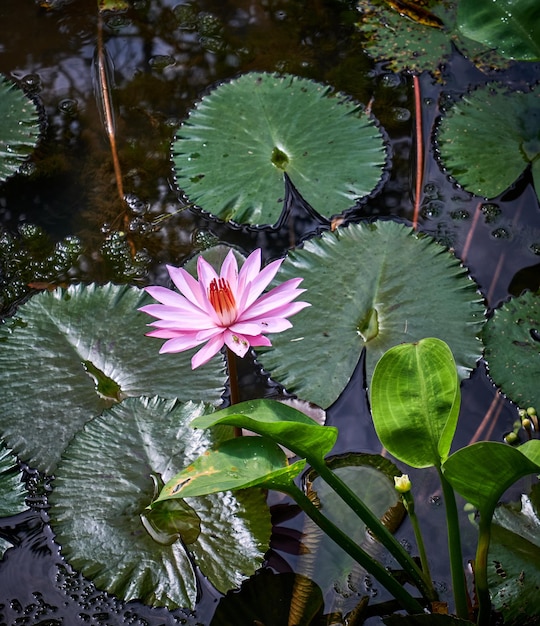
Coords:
pixel 12 490
pixel 371 477
pixel 510 26
pixel 415 397
pixel 66 355
pixel 374 286
pixel 19 128
pixel 512 339
pixel 104 483
pixel 483 471
pixel 414 37
pixel 231 154
pixel 426 619
pixel 277 421
pixel 514 561
pixel 235 464
pixel 474 128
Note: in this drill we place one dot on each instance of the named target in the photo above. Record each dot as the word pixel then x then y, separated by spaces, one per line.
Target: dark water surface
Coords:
pixel 166 54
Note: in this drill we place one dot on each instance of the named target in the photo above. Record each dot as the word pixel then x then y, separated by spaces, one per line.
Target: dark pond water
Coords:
pixel 166 54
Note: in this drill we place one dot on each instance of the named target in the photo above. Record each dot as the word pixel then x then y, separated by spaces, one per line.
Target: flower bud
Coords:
pixel 402 483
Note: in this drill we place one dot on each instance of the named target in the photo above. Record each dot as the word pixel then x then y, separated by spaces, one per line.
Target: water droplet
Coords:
pixel 401 114
pixel 460 214
pixel 435 500
pixel 500 233
pixel 161 61
pixel 491 212
pixel 432 209
pixel 135 204
pixel 431 190
pixel 391 80
pixel 31 82
pixel 535 248
pixel 68 106
pixel 280 15
pixel 204 239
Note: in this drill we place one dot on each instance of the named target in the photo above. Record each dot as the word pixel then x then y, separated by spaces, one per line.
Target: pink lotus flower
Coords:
pixel 222 310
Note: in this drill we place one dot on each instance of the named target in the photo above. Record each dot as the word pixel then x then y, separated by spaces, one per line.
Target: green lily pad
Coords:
pixel 68 354
pixel 512 339
pixel 474 128
pixel 19 128
pixel 514 562
pixel 373 286
pixel 511 26
pixel 12 490
pixel 372 478
pixel 418 37
pixel 231 154
pixel 104 483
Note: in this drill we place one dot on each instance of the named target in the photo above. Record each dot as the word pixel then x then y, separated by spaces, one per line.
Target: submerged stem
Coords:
pixel 454 549
pixel 377 528
pixel 409 505
pixel 372 566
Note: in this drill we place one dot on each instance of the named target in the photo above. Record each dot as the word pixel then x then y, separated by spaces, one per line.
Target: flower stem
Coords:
pixel 408 501
pixel 480 570
pixel 378 529
pixel 233 384
pixel 454 549
pixel 372 566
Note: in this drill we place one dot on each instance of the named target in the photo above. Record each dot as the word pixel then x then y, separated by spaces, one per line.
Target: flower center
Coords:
pixel 222 299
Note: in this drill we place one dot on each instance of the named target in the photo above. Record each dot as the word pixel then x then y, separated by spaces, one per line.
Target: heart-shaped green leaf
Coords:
pixel 472 131
pixel 231 153
pixel 277 421
pixel 371 285
pixel 482 472
pixel 19 128
pixel 510 26
pixel 68 354
pixel 512 338
pixel 104 483
pixel 235 464
pixel 415 401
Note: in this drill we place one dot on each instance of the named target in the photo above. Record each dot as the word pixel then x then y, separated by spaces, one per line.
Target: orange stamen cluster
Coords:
pixel 222 299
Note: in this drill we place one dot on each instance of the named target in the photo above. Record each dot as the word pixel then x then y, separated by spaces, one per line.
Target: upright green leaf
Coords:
pixel 68 354
pixel 373 286
pixel 104 484
pixel 510 26
pixel 231 153
pixel 19 128
pixel 482 472
pixel 12 490
pixel 415 401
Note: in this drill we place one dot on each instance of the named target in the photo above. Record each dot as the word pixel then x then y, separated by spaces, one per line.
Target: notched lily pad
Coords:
pixel 512 338
pixel 471 133
pixel 19 128
pixel 68 354
pixel 514 561
pixel 373 286
pixel 107 478
pixel 231 154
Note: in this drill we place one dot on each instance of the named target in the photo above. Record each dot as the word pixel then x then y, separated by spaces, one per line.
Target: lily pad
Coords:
pixel 68 354
pixel 511 26
pixel 12 490
pixel 104 483
pixel 514 562
pixel 231 154
pixel 371 285
pixel 19 128
pixel 512 338
pixel 474 128
pixel 418 37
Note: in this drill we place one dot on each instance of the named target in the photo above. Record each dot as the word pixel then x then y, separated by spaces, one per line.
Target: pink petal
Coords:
pixel 229 271
pixel 187 285
pixel 206 274
pixel 185 316
pixel 258 284
pixel 247 328
pixel 194 325
pixel 260 340
pixel 236 342
pixel 207 351
pixel 268 303
pixel 166 296
pixel 274 324
pixel 178 344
